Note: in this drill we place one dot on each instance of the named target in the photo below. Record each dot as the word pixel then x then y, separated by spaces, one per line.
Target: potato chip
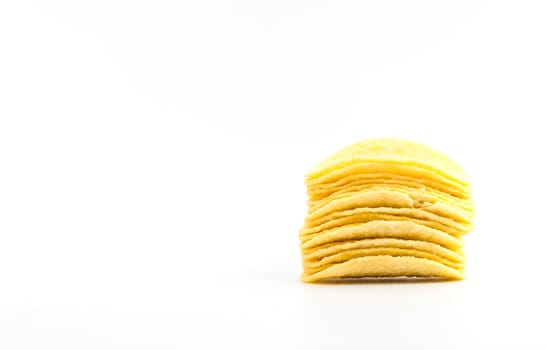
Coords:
pixel 355 181
pixel 391 151
pixel 311 267
pixel 385 266
pixel 377 170
pixel 421 194
pixel 324 251
pixel 375 198
pixel 415 213
pixel 397 214
pixel 403 229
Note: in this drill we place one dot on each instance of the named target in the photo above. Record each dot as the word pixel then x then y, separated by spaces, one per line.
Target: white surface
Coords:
pixel 152 158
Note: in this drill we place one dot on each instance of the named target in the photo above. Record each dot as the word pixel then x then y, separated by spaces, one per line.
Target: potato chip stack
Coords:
pixel 386 208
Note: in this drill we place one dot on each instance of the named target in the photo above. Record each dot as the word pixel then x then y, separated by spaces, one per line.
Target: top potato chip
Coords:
pixel 395 151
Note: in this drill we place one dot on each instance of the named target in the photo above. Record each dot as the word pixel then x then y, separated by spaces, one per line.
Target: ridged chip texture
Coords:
pixel 386 208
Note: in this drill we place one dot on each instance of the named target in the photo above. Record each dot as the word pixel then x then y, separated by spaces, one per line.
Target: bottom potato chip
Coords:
pixel 385 266
pixel 316 266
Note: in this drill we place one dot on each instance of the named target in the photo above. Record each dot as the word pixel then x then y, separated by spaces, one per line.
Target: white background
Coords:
pixel 152 158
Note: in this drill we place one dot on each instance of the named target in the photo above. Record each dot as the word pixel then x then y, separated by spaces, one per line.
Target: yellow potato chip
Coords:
pixel 377 169
pixel 324 251
pixel 311 267
pixel 376 198
pixel 391 151
pixel 354 181
pixel 423 194
pixel 421 214
pixel 385 266
pixel 366 217
pixel 381 229
pixel 390 183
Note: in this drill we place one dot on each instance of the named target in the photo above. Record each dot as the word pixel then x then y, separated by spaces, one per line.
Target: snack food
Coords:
pixel 386 208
